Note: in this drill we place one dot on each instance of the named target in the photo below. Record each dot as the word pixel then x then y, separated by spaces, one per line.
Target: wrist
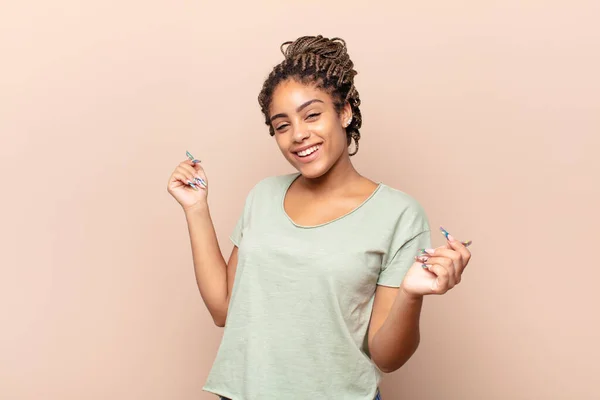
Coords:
pixel 198 208
pixel 411 297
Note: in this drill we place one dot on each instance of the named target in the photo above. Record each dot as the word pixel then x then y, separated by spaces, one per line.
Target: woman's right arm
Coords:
pixel 214 276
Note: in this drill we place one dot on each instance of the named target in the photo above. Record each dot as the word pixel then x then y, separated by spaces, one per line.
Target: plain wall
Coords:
pixel 488 113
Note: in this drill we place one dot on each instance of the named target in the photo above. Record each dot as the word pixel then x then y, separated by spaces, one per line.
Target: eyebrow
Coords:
pixel 302 107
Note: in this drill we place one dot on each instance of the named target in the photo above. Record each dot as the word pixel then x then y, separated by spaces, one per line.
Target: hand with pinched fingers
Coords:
pixel 188 183
pixel 436 271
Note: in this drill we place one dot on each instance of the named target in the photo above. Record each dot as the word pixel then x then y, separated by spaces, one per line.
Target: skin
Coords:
pixel 329 186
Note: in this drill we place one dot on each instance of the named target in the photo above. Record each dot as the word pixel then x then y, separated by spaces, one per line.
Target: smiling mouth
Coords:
pixel 307 152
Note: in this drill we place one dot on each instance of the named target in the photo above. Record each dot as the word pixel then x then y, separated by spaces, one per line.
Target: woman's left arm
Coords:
pixel 394 328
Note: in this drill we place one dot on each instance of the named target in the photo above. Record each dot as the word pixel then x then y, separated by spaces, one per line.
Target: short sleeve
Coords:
pixel 238 231
pixel 236 235
pixel 411 233
pixel 394 271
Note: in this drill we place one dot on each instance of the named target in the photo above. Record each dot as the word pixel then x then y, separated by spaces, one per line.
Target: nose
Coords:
pixel 300 133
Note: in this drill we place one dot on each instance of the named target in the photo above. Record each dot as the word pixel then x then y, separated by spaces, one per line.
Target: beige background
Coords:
pixel 487 112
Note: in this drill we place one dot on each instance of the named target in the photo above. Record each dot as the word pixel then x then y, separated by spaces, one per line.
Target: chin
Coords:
pixel 311 174
pixel 311 171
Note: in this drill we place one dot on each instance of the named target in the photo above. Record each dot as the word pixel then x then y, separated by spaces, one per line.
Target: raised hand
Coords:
pixel 188 183
pixel 436 271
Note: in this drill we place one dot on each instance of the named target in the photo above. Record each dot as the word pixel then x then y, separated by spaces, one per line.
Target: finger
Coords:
pixel 441 252
pixel 457 260
pixel 175 180
pixel 196 165
pixel 462 250
pixel 453 266
pixel 460 255
pixel 443 278
pixel 188 172
pixel 193 175
pixel 182 178
pixel 450 266
pixel 198 170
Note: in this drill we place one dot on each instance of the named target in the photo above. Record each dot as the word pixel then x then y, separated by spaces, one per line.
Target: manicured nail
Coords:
pixel 451 238
pixel 445 233
pixel 191 157
pixel 429 251
pixel 425 266
pixel 193 185
pixel 421 258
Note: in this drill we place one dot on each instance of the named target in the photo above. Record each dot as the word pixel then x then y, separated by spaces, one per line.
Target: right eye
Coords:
pixel 281 127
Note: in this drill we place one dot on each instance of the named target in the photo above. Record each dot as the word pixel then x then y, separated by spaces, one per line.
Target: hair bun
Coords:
pixel 333 49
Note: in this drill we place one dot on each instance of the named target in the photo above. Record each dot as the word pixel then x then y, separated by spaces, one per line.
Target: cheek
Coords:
pixel 339 138
pixel 282 142
pixel 329 131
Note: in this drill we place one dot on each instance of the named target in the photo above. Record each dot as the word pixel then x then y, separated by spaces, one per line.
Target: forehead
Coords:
pixel 290 94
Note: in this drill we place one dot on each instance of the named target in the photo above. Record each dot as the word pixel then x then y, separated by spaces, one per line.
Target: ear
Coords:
pixel 346 115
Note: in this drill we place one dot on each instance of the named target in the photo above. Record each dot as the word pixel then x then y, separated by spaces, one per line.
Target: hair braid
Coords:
pixel 325 63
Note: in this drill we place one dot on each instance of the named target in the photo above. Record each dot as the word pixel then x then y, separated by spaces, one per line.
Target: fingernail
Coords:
pixel 425 266
pixel 199 180
pixel 193 185
pixel 467 243
pixel 444 232
pixel 421 258
pixel 190 156
pixel 450 238
pixel 429 251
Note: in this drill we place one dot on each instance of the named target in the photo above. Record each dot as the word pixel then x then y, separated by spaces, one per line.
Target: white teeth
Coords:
pixel 308 151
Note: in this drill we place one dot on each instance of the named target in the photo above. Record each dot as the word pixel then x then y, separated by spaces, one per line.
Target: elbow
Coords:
pixel 220 320
pixel 388 369
pixel 390 366
pixel 220 316
pixel 219 323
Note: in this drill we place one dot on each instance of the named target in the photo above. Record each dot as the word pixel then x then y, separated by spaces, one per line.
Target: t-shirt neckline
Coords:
pixel 355 209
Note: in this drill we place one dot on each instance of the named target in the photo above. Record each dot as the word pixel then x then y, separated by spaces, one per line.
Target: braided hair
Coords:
pixel 324 63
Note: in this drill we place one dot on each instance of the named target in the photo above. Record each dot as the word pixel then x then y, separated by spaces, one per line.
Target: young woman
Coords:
pixel 323 290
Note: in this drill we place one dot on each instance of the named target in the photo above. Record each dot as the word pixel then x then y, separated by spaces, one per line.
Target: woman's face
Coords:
pixel 308 131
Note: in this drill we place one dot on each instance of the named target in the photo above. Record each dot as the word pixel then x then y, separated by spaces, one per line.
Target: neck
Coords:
pixel 341 176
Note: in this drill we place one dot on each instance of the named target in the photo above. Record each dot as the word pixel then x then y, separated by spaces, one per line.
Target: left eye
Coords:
pixel 313 116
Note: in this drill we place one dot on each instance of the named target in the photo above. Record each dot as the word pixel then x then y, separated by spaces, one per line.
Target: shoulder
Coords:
pixel 395 200
pixel 276 181
pixel 400 211
pixel 272 185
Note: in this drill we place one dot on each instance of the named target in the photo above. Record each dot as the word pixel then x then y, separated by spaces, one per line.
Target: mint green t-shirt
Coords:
pixel 302 296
